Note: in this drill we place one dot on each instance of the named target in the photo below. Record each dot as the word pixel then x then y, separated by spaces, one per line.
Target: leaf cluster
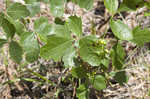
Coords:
pixel 63 41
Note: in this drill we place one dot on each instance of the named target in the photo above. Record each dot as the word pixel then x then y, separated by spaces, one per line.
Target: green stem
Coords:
pixel 42 77
pixel 7 3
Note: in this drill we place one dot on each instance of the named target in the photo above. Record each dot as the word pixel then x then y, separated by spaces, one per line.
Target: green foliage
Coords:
pixel 30 1
pixel 8 28
pixel 121 77
pixel 121 30
pixel 75 25
pixel 88 51
pixel 78 72
pixel 20 28
pixel 33 8
pixel 63 41
pixel 57 44
pixel 111 5
pixel 42 28
pixel 98 82
pixel 82 92
pixel 128 6
pixel 1 18
pixel 87 4
pixel 30 46
pixel 118 56
pixel 68 58
pixel 2 42
pixel 57 7
pixel 56 47
pixel 59 21
pixel 15 51
pixel 17 11
pixel 140 36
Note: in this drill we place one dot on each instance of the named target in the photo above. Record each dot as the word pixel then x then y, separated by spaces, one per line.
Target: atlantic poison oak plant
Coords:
pixel 63 41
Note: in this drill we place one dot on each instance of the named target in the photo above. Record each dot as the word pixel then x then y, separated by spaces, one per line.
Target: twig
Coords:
pixel 105 22
pixel 74 90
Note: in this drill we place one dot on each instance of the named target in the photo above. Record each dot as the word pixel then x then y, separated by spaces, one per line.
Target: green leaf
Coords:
pixel 82 92
pixel 20 28
pixel 147 14
pixel 30 1
pixel 34 8
pixel 57 7
pixel 57 44
pixel 118 56
pixel 56 47
pixel 42 27
pixel 2 42
pixel 78 72
pixel 30 46
pixel 8 28
pixel 141 36
pixel 105 62
pixel 87 4
pixel 44 1
pixel 126 5
pixel 148 92
pixel 87 51
pixel 98 82
pixel 75 25
pixel 17 11
pixel 121 77
pixel 15 51
pixel 147 4
pixel 1 17
pixel 68 58
pixel 121 30
pixel 111 5
pixel 39 22
pixel 61 30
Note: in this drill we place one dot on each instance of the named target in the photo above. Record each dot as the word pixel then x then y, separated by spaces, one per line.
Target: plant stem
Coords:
pixel 7 3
